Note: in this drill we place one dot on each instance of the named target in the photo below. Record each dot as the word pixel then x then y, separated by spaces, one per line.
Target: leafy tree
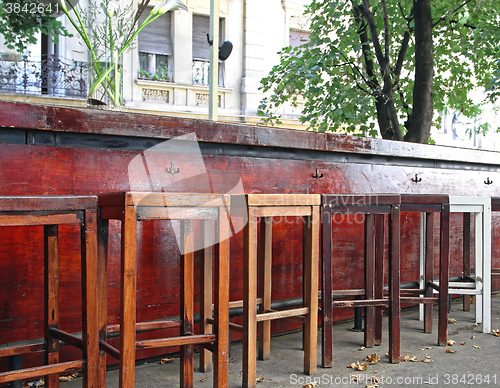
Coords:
pixel 19 25
pixel 388 62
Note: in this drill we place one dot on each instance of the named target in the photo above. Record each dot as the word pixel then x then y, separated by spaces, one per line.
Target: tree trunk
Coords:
pixel 419 123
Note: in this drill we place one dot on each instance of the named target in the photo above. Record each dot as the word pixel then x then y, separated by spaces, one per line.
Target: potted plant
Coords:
pixel 144 74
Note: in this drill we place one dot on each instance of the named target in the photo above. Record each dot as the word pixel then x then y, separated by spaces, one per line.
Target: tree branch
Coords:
pixel 443 18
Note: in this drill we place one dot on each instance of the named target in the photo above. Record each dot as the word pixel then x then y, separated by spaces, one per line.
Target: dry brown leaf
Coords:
pixel 374 358
pixel 355 378
pixel 362 348
pixel 476 347
pixel 310 385
pixel 375 379
pixel 357 366
pixel 372 386
pixel 407 357
pixel 261 379
pixel 68 377
pixel 452 320
pixel 473 337
pixel 476 324
pixel 451 342
pixel 496 333
pixel 166 360
pixel 463 343
pixel 427 359
pixel 203 379
pixel 429 347
pixel 450 351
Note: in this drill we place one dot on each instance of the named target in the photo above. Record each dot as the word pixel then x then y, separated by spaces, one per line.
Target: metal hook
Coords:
pixel 318 176
pixel 487 181
pixel 416 179
pixel 172 170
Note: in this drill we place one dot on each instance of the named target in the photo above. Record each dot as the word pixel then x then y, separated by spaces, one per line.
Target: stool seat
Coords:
pixel 206 209
pixel 50 212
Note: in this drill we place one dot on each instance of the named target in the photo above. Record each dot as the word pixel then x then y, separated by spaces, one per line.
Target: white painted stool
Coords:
pixel 480 284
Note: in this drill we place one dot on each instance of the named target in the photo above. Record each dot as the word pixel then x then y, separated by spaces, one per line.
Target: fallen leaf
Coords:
pixel 358 366
pixel 203 379
pixel 451 342
pixel 371 386
pixel 310 385
pixel 452 320
pixel 473 337
pixel 355 378
pixel 476 347
pixel 427 360
pixel 430 347
pixel 362 348
pixel 450 351
pixel 166 360
pixel 375 379
pixel 476 324
pixel 261 379
pixel 496 333
pixel 411 358
pixel 68 377
pixel 374 358
pixel 463 343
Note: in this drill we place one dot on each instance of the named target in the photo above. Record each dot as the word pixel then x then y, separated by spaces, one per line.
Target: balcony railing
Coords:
pixel 51 75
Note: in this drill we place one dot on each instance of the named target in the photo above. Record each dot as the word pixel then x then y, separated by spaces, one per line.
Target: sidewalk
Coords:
pixel 474 362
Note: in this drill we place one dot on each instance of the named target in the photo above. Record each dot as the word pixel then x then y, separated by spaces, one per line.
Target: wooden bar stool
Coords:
pixel 50 212
pixel 373 208
pixel 480 284
pixel 427 206
pixel 131 207
pixel 257 285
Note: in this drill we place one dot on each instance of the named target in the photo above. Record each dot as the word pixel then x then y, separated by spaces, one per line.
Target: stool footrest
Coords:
pixel 39 371
pixel 409 299
pixel 362 303
pixel 268 316
pixel 353 292
pixel 112 351
pixel 146 326
pixel 176 341
pixel 70 339
pixel 22 348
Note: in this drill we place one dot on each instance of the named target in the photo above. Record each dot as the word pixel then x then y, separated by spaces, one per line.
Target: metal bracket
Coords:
pixel 318 176
pixel 416 179
pixel 172 170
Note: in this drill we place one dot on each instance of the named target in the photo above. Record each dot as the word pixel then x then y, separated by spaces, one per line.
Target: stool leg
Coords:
pixel 428 269
pixel 90 331
pixel 478 239
pixel 326 291
pixel 128 298
pixel 486 226
pixel 379 274
pixel 466 255
pixel 264 285
pixel 394 286
pixel 369 278
pixel 311 292
pixel 250 300
pixel 187 301
pixel 51 290
pixel 444 275
pixel 102 285
pixel 221 310
pixel 206 292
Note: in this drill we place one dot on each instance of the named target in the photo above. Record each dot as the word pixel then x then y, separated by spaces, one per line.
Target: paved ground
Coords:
pixel 474 361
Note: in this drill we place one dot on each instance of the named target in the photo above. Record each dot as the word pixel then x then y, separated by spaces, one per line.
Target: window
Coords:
pixel 155 48
pixel 201 50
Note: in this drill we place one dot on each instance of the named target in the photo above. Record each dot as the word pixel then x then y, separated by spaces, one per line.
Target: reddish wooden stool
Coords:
pixel 52 211
pixel 373 208
pixel 427 205
pixel 265 207
pixel 130 207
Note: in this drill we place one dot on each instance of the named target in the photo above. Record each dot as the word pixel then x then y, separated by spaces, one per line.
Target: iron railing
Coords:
pixel 51 75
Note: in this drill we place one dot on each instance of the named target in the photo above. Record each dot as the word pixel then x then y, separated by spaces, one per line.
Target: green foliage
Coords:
pixel 19 26
pixel 331 75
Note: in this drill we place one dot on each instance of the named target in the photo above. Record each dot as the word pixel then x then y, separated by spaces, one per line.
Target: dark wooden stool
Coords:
pixel 50 212
pixel 265 207
pixel 373 208
pixel 130 207
pixel 427 206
